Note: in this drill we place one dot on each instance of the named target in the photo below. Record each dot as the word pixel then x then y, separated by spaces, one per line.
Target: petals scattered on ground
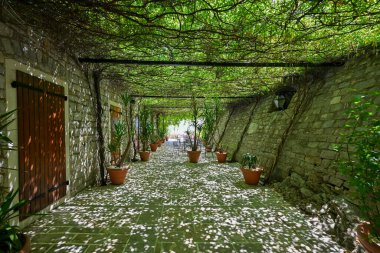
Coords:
pixel 170 205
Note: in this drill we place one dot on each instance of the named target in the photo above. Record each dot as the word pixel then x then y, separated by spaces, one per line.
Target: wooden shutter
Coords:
pixel 41 134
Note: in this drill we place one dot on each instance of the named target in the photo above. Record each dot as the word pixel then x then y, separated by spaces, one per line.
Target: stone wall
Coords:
pixel 237 121
pixel 3 160
pixel 26 46
pixel 299 141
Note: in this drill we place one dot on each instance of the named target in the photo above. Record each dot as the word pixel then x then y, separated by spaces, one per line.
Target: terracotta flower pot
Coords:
pixel 363 231
pixel 117 175
pixel 144 155
pixel 221 156
pixel 208 148
pixel 159 142
pixel 153 147
pixel 26 248
pixel 251 177
pixel 194 156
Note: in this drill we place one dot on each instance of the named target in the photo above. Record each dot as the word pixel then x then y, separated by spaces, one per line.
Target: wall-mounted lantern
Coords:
pixel 282 98
pixel 279 102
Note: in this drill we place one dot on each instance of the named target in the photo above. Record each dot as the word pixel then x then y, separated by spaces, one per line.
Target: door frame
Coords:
pixel 12 182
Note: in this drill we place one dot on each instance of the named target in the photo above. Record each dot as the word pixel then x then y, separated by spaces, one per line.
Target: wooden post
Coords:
pixel 99 114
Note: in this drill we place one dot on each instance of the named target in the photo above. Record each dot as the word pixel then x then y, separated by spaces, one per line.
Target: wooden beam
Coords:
pixel 187 97
pixel 211 64
pixel 172 107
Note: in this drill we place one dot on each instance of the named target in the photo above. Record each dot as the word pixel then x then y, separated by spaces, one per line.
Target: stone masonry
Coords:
pixel 23 44
pixel 302 137
pixel 307 157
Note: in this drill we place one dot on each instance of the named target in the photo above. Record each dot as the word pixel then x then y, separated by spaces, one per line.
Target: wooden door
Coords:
pixel 41 140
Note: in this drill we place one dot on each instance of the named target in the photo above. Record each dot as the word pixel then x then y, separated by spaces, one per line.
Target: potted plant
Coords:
pixel 363 166
pixel 221 154
pixel 146 129
pixel 162 129
pixel 153 142
pixel 11 240
pixel 129 102
pixel 161 132
pixel 250 170
pixel 159 138
pixel 208 126
pixel 194 153
pixel 210 116
pixel 117 170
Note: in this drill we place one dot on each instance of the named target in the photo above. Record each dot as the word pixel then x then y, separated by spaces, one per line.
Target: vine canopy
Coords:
pixel 250 31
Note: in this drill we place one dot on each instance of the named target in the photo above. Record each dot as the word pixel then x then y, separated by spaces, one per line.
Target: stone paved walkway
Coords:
pixel 170 205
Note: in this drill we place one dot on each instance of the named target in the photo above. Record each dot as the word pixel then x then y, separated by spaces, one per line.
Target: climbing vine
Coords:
pixel 219 31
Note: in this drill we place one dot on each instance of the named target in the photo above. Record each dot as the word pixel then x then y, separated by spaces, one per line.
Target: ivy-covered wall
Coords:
pixel 297 143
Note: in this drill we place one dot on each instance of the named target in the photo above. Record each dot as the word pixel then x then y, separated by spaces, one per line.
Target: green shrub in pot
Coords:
pixel 250 170
pixel 362 166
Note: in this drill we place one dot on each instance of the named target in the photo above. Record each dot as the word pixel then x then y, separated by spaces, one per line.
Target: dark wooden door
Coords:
pixel 41 140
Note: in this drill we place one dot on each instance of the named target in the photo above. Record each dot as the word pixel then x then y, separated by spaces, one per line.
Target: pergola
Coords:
pixel 287 88
pixel 229 48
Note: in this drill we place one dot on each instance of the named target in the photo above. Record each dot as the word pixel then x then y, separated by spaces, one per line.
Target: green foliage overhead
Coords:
pixel 220 31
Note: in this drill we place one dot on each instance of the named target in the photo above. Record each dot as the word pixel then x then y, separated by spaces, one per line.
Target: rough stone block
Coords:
pixel 7 46
pixel 299 168
pixel 328 154
pixel 5 31
pixel 252 128
pixel 313 144
pixel 335 100
pixel 2 82
pixel 339 124
pixel 346 185
pixel 341 177
pixel 336 181
pixel 365 84
pixel 318 199
pixel 315 160
pixel 317 124
pixel 2 92
pixel 314 178
pixel 2 69
pixel 336 108
pixel 296 180
pixel 328 124
pixel 306 192
pixel 17 48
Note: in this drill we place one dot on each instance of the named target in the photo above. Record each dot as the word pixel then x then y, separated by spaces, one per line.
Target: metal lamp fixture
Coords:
pixel 279 102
